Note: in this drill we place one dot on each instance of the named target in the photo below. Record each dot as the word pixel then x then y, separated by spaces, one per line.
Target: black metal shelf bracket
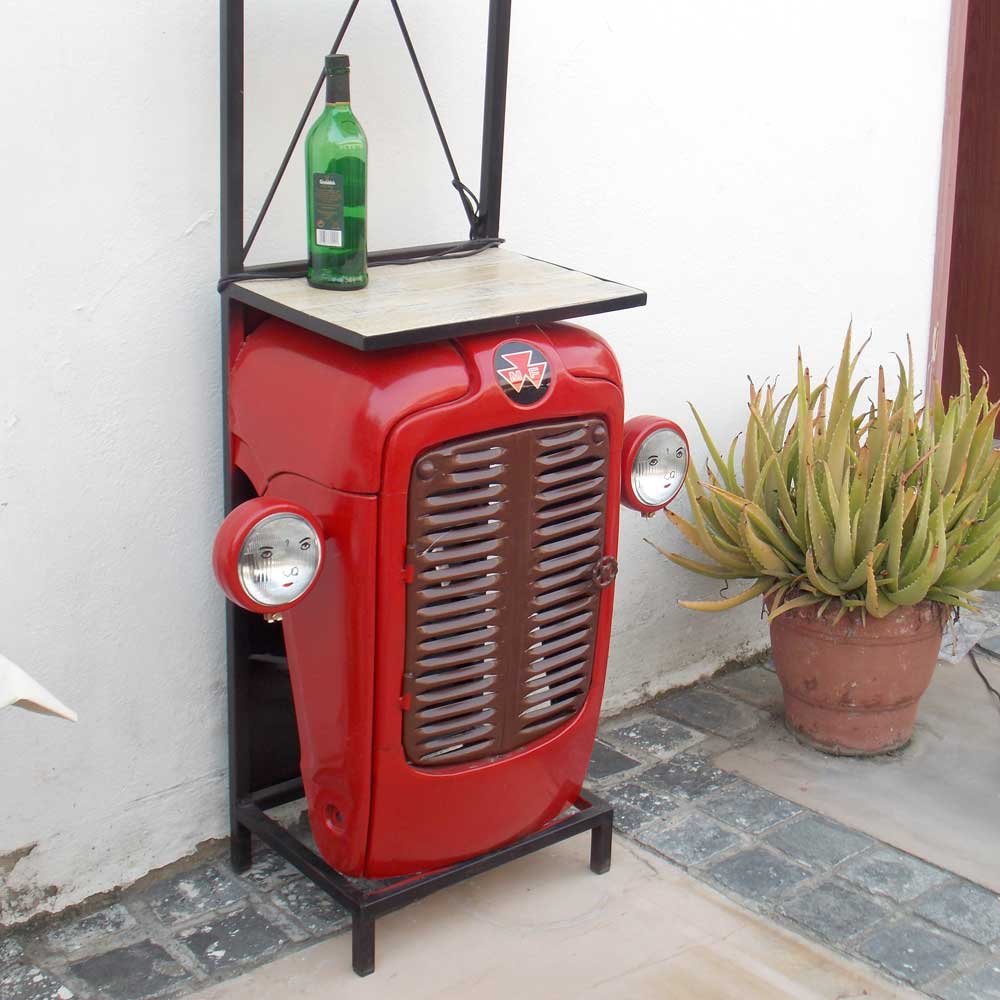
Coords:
pixel 484 217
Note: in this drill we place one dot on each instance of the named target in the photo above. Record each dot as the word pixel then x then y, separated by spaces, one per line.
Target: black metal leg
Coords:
pixel 240 848
pixel 363 943
pixel 600 846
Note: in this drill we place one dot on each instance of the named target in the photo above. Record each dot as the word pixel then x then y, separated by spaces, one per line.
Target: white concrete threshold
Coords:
pixel 545 927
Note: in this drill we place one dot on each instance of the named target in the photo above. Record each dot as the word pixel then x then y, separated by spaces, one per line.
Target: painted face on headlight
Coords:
pixel 659 467
pixel 655 460
pixel 279 559
pixel 268 554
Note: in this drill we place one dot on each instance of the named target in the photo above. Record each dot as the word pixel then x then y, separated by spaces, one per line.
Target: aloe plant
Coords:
pixel 877 509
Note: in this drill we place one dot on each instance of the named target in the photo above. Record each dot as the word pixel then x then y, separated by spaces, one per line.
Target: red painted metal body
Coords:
pixel 336 431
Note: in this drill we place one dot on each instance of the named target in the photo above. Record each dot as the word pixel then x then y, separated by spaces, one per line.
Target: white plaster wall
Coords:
pixel 764 170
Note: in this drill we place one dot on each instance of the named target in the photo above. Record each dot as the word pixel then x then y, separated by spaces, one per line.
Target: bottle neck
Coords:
pixel 338 88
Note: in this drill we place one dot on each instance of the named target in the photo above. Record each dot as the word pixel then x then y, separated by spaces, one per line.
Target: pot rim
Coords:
pixel 901 627
pixel 859 615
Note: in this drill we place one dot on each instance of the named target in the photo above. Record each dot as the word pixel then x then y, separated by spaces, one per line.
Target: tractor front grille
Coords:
pixel 505 533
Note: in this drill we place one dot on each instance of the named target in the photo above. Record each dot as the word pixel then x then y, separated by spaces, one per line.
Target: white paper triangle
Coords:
pixel 22 691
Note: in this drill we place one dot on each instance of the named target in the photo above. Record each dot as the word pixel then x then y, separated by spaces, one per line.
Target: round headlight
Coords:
pixel 268 554
pixel 279 559
pixel 656 463
pixel 659 467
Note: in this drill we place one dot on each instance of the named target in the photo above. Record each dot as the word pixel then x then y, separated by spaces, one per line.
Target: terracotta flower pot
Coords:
pixel 853 688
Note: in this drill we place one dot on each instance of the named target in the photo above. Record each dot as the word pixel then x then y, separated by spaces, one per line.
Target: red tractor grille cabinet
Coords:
pixel 422 486
pixel 448 659
pixel 501 684
pixel 447 662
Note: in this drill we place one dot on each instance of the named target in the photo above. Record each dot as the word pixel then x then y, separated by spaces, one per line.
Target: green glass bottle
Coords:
pixel 336 181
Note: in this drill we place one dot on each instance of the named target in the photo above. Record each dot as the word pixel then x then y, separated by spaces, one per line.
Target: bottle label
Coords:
pixel 328 209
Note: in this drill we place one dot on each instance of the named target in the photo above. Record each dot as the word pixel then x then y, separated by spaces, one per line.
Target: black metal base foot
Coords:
pixel 240 848
pixel 363 944
pixel 367 905
pixel 600 847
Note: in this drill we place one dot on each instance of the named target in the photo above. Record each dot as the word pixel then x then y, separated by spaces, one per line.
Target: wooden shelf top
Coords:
pixel 439 300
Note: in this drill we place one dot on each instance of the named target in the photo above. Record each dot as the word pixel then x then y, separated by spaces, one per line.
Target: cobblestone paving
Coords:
pixel 172 937
pixel 917 923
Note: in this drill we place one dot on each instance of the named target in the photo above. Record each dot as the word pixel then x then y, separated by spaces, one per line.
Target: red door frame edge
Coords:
pixel 946 187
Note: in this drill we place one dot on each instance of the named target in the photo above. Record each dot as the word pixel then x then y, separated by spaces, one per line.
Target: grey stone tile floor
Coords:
pixel 173 936
pixel 917 923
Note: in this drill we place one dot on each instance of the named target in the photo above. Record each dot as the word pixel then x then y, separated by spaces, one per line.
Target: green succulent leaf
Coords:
pixel 876 604
pixel 972 575
pixel 875 510
pixel 718 550
pixel 942 457
pixel 859 575
pixel 730 602
pixel 801 601
pixel 843 543
pixel 917 543
pixel 913 587
pixel 724 472
pixel 893 532
pixel 955 598
pixel 761 553
pixel 963 442
pixel 871 509
pixel 820 529
pixel 705 569
pixel 819 581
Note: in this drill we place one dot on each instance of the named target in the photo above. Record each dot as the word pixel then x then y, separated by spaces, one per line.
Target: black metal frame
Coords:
pixel 366 905
pixel 232 110
pixel 248 804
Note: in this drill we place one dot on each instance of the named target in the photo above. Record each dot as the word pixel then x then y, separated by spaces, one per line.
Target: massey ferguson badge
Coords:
pixel 522 372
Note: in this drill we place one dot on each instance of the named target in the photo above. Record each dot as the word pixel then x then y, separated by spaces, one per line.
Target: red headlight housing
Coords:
pixel 655 460
pixel 268 554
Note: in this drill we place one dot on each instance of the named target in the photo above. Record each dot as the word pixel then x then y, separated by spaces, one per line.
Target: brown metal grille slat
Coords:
pixel 504 532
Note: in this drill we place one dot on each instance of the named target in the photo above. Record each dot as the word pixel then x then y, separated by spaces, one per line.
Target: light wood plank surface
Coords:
pixel 438 294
